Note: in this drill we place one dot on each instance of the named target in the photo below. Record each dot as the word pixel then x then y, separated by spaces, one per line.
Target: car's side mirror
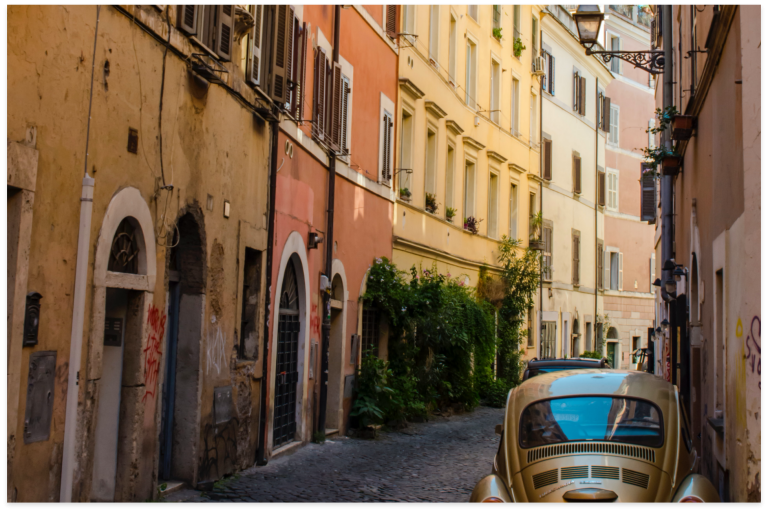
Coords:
pixel 499 429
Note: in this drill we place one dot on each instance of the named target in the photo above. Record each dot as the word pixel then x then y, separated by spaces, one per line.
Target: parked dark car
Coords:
pixel 540 366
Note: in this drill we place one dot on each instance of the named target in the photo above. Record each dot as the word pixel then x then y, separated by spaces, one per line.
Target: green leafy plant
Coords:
pixel 405 193
pixel 318 437
pixel 536 222
pixel 431 202
pixel 592 355
pixel 450 213
pixel 518 47
pixel 472 224
pixel 655 155
pixel 372 391
pixel 497 33
pixel 496 393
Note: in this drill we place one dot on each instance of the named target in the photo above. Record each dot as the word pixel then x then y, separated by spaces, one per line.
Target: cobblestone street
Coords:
pixel 438 461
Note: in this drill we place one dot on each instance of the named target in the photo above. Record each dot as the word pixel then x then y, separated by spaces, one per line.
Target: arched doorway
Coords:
pixel 287 372
pixel 334 407
pixel 180 414
pixel 120 380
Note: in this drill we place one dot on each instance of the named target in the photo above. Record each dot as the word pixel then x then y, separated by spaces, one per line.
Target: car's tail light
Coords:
pixel 492 499
pixel 691 499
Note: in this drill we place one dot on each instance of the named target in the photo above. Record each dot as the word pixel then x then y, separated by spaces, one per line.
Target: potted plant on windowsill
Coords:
pixel 472 224
pixel 430 203
pixel 534 240
pixel 670 164
pixel 518 47
pixel 450 213
pixel 497 33
pixel 405 194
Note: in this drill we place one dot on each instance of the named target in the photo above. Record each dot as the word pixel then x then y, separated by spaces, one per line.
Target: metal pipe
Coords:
pixel 261 455
pixel 78 307
pixel 597 192
pixel 541 186
pixel 328 252
pixel 666 181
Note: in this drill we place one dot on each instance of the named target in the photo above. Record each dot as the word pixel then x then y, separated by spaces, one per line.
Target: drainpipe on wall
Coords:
pixel 666 181
pixel 597 193
pixel 78 306
pixel 328 251
pixel 541 187
pixel 261 454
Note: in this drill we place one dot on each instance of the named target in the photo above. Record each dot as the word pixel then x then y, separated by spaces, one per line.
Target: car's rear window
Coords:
pixel 591 418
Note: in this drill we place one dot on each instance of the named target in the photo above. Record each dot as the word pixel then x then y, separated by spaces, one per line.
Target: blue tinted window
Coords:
pixel 591 418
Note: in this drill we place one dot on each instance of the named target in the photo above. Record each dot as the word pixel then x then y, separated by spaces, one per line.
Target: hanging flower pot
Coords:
pixel 536 245
pixel 682 127
pixel 670 165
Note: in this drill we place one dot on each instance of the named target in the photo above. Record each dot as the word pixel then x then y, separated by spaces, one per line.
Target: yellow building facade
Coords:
pixel 467 134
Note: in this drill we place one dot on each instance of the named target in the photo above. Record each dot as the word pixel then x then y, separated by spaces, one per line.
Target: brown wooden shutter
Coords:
pixel 606 114
pixel 601 188
pixel 599 266
pixel 390 134
pixel 253 71
pixel 576 95
pixel 344 144
pixel 188 14
pixel 577 174
pixel 583 96
pixel 547 159
pixel 289 58
pixel 280 55
pixel 575 262
pixel 302 74
pixel 224 31
pixel 318 107
pixel 648 194
pixel 336 107
pixel 392 21
pixel 551 75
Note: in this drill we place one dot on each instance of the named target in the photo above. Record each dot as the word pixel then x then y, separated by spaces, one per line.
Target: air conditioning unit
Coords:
pixel 538 66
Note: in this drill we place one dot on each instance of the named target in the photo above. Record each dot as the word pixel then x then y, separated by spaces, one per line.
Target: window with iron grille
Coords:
pixel 548 340
pixel 370 331
pixel 546 254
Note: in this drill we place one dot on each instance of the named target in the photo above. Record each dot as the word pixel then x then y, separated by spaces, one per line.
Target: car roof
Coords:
pixel 580 362
pixel 595 381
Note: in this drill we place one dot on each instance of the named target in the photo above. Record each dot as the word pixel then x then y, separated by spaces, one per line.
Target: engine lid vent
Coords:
pixel 625 450
pixel 634 478
pixel 545 478
pixel 574 472
pixel 607 472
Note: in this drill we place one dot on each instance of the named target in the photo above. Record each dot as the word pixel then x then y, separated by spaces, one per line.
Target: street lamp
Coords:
pixel 588 19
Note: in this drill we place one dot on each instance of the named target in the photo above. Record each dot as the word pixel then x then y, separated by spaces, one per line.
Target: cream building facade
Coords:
pixel 468 135
pixel 573 190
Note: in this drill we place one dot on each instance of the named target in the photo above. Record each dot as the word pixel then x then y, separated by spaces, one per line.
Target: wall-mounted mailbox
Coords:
pixel 113 332
pixel 40 387
pixel 32 319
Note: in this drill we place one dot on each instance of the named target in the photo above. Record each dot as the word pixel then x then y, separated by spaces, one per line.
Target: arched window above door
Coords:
pixel 124 252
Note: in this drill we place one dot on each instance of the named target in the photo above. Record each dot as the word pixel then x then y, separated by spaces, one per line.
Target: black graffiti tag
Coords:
pixel 753 343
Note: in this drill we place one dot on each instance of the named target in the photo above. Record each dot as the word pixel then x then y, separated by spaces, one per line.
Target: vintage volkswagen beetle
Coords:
pixel 594 435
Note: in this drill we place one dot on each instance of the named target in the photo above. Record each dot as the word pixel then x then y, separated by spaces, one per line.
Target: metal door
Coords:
pixel 548 340
pixel 169 386
pixel 287 374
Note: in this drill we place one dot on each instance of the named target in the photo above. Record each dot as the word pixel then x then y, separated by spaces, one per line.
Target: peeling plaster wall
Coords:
pixel 212 147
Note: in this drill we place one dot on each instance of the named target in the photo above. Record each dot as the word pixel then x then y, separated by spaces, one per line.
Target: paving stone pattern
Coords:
pixel 437 461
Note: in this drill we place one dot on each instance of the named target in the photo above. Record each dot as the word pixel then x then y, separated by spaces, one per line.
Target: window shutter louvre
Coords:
pixel 576 95
pixel 188 18
pixel 301 74
pixel 391 21
pixel 583 96
pixel 254 61
pixel 344 143
pixel 390 130
pixel 607 270
pixel 224 31
pixel 600 259
pixel 280 49
pixel 621 271
pixel 606 114
pixel 289 82
pixel 547 159
pixel 318 109
pixel 648 193
pixel 601 188
pixel 551 74
pixel 577 174
pixel 336 106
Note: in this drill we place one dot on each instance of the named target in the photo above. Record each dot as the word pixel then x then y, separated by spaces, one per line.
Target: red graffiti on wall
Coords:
pixel 314 321
pixel 152 353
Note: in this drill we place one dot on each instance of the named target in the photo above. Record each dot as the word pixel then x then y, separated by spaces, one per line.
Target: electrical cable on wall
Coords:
pixel 90 101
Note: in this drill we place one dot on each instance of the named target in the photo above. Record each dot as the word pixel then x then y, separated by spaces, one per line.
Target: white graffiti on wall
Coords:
pixel 217 357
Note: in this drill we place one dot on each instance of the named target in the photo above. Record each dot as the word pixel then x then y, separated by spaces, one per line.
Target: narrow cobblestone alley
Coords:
pixel 437 461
